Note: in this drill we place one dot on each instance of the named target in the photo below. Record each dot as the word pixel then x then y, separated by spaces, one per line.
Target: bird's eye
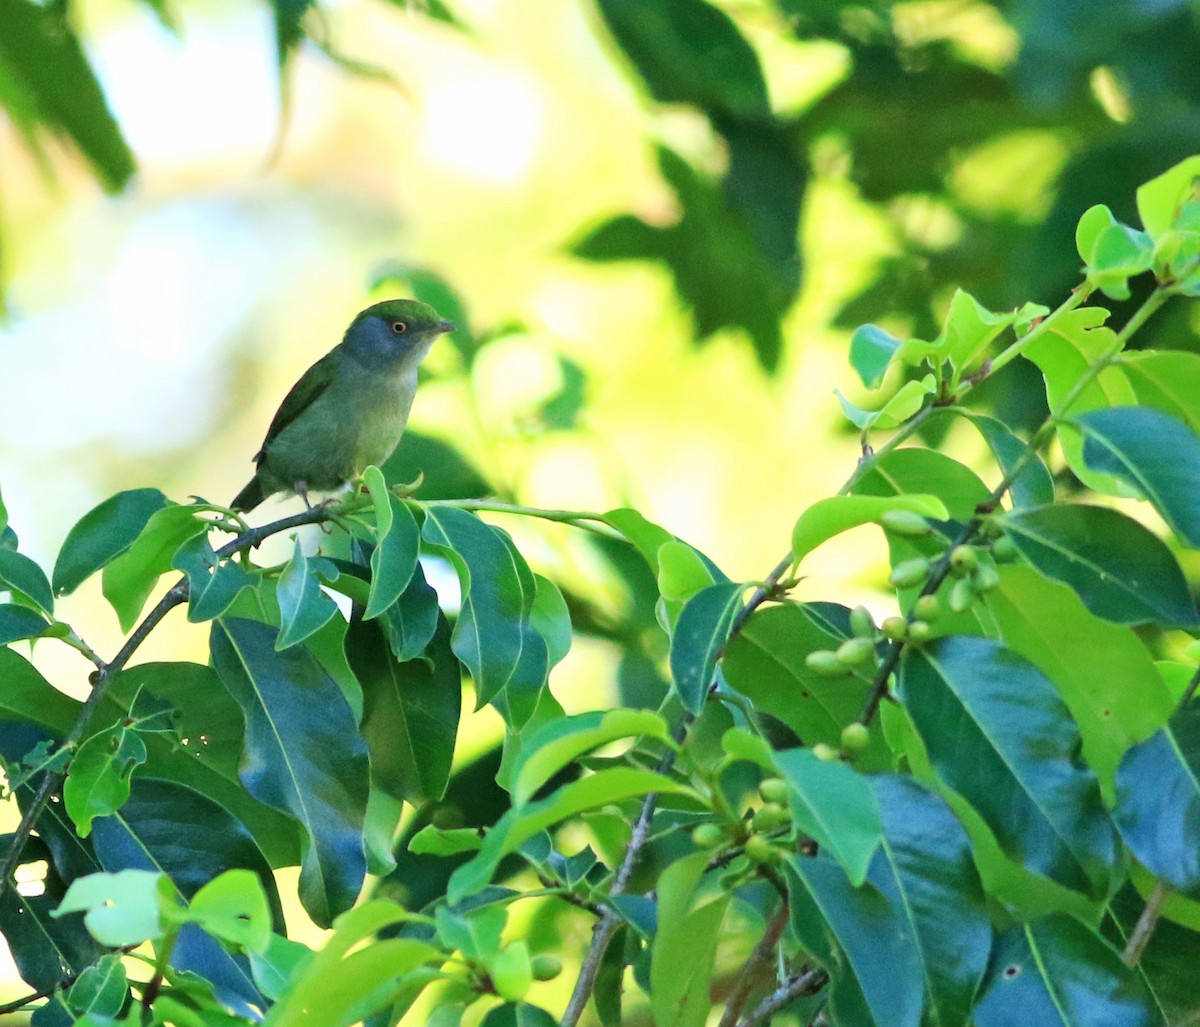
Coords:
pixel 399 327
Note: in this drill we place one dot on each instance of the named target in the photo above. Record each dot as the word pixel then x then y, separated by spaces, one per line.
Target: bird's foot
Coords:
pixel 405 490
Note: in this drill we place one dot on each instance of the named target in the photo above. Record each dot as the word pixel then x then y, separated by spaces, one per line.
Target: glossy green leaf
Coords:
pixel 397 544
pixel 103 534
pixel 1120 570
pixel 1056 971
pixel 101 990
pixel 904 472
pixel 98 779
pixel 1158 801
pixel 303 608
pixel 1033 485
pixel 519 823
pixel 563 741
pixel 213 584
pixel 835 806
pixel 645 536
pixel 130 577
pixel 27 697
pixel 1160 200
pixel 119 909
pixel 1167 380
pixel 700 635
pixel 22 574
pixel 685 945
pixel 998 734
pixel 437 841
pixel 551 619
pixel 17 622
pixel 1156 454
pixel 304 756
pixel 871 351
pixel 681 571
pixel 1112 251
pixel 233 907
pixel 410 711
pixel 412 619
pixel 829 517
pixel 494 637
pixel 1102 670
pixel 898 408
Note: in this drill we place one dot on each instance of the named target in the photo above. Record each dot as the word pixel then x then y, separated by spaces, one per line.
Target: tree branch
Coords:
pixel 759 958
pixel 807 982
pixel 1143 930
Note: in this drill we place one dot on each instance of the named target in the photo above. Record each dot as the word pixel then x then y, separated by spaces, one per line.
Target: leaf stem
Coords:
pixel 761 956
pixel 1079 296
pixel 1143 930
pixel 586 519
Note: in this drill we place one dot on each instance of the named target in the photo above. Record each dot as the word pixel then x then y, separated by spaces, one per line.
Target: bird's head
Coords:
pixel 395 334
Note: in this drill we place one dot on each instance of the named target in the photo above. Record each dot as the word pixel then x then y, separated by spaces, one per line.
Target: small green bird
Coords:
pixel 349 409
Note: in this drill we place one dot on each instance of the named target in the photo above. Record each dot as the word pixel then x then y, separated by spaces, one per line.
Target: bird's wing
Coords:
pixel 302 395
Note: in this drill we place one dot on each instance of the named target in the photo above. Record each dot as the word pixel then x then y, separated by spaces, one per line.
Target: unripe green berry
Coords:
pixel 1005 549
pixel 919 630
pixel 759 850
pixel 545 967
pixel 825 662
pixel 962 560
pixel 854 651
pixel 774 789
pixel 896 628
pixel 927 608
pixel 905 522
pixel 986 577
pixel 707 836
pixel 909 572
pixel 962 595
pixel 826 753
pixel 855 738
pixel 770 817
pixel 862 624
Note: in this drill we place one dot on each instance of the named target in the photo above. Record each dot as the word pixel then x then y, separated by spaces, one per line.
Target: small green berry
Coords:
pixel 905 522
pixel 919 631
pixel 771 817
pixel 1004 549
pixel 759 850
pixel 855 738
pixel 909 572
pixel 962 560
pixel 854 651
pixel 707 836
pixel 962 595
pixel 545 967
pixel 862 624
pixel 896 628
pixel 826 753
pixel 825 662
pixel 927 608
pixel 774 789
pixel 986 577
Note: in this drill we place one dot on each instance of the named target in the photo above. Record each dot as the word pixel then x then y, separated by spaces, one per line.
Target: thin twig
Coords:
pixel 762 955
pixel 807 982
pixel 1143 930
pixel 20 1003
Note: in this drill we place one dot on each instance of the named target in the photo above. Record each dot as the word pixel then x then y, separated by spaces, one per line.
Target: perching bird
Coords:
pixel 349 409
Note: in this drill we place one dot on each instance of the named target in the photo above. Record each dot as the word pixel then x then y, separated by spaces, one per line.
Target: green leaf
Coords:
pixel 27 697
pixel 902 405
pixel 98 779
pixel 119 909
pixel 563 741
pixel 101 990
pixel 685 945
pixel 1167 380
pixel 17 622
pixel 998 734
pixel 437 841
pixel 1158 801
pixel 494 637
pixel 511 972
pixel 303 608
pixel 871 351
pixel 834 806
pixel 130 577
pixel 1033 485
pixel 509 1015
pixel 213 584
pixel 1056 971
pixel 412 620
pixel 22 574
pixel 968 331
pixel 1112 251
pixel 681 572
pixel 934 890
pixel 1160 201
pixel 410 711
pixel 1102 670
pixel 233 907
pixel 397 544
pixel 475 933
pixel 103 534
pixel 687 51
pixel 44 64
pixel 700 635
pixel 1120 569
pixel 1156 454
pixel 304 756
pixel 551 619
pixel 645 536
pixel 829 517
pixel 518 824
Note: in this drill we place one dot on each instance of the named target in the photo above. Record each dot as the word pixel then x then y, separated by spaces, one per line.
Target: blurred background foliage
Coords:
pixel 657 222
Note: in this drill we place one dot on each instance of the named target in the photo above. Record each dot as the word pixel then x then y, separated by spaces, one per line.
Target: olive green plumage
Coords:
pixel 349 409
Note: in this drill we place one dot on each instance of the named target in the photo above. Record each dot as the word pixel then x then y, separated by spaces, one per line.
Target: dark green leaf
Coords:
pixel 303 608
pixel 998 733
pixel 213 584
pixel 1121 570
pixel 1156 454
pixel 103 534
pixel 101 989
pixel 304 756
pixel 21 573
pixel 28 697
pixel 1158 801
pixel 518 1015
pixel 410 711
pixel 397 543
pixel 700 635
pixel 411 621
pixel 98 780
pixel 17 622
pixel 1033 485
pixel 1054 972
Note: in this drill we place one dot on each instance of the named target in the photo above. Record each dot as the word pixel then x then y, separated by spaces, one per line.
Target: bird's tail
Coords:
pixel 249 497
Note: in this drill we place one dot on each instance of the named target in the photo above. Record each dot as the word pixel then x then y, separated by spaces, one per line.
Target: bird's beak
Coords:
pixel 445 326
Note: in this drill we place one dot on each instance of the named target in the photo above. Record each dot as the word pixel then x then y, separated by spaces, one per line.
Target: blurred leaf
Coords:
pixel 97 782
pixel 397 543
pixel 289 31
pixel 102 989
pixel 827 518
pixel 522 1015
pixel 304 756
pixel 436 841
pixel 447 474
pixel 978 708
pixel 685 945
pixel 23 575
pixel 17 622
pixel 699 638
pixel 561 411
pixel 551 619
pixel 303 607
pixel 1160 201
pixel 1056 971
pixel 119 909
pixel 1156 454
pixel 1120 569
pixel 903 404
pixel 410 711
pixel 51 83
pixel 834 806
pixel 233 907
pixel 871 351
pixel 213 584
pixel 103 534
